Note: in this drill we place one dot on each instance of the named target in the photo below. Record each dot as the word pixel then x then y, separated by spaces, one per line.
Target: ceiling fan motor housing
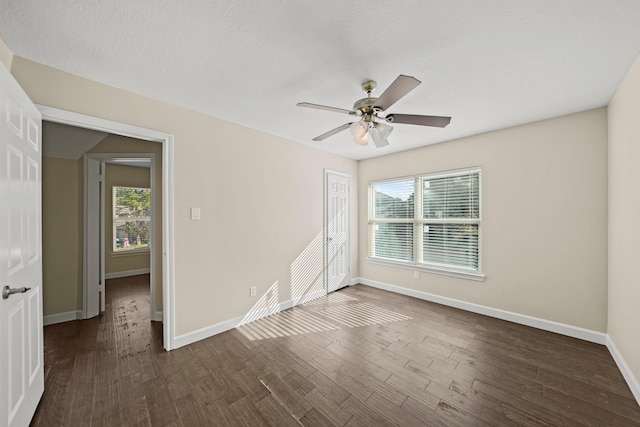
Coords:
pixel 365 106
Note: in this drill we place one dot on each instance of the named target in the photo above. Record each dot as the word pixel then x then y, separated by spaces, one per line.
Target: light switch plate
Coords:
pixel 195 213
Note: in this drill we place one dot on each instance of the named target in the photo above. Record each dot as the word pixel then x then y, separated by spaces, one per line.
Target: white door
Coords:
pixel 21 346
pixel 337 261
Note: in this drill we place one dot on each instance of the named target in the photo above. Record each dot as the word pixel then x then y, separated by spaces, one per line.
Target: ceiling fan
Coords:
pixel 371 113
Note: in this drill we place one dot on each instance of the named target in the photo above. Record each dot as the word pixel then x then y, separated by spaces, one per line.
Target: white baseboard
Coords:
pixel 209 331
pixel 631 380
pixel 535 322
pixel 52 319
pixel 118 274
pixel 206 332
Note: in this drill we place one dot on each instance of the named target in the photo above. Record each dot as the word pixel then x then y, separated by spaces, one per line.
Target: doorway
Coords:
pixel 165 229
pixel 107 249
pixel 337 260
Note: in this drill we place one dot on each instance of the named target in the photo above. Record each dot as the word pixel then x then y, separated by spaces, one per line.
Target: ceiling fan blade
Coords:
pixel 416 119
pixel 324 107
pixel 332 132
pixel 401 86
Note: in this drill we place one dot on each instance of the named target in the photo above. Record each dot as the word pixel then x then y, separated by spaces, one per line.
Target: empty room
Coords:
pixel 319 213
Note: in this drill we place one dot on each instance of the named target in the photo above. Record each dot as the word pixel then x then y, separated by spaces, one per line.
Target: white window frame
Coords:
pixel 123 251
pixel 418 224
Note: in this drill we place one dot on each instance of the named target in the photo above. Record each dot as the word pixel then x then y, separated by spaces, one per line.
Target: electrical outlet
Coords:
pixel 252 291
pixel 416 274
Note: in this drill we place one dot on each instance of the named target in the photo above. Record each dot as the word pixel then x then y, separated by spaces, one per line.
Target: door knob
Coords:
pixel 7 291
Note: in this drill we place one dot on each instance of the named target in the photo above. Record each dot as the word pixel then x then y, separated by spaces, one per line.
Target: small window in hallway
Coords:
pixel 131 218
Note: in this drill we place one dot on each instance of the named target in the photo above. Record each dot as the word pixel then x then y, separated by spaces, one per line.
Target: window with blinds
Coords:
pixel 432 220
pixel 392 216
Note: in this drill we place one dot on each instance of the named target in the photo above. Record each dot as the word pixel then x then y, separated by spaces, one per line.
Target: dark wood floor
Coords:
pixel 360 357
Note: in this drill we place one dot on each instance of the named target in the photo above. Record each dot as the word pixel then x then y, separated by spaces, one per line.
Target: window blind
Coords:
pixel 392 214
pixel 451 220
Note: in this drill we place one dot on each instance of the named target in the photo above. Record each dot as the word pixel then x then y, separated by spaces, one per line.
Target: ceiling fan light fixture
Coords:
pixel 382 129
pixel 379 133
pixel 368 110
pixel 358 129
pixel 363 140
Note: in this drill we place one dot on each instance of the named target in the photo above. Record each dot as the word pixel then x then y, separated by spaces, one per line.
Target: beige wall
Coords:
pixel 60 250
pixel 624 212
pixel 261 196
pixel 123 176
pixel 544 209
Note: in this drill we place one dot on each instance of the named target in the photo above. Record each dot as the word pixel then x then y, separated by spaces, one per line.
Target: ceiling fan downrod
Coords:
pixel 365 107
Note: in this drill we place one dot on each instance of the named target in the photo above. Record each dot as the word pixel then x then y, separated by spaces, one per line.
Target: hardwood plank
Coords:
pixel 273 413
pixel 424 413
pixel 519 409
pixel 160 403
pixel 611 402
pixel 457 416
pixel 79 406
pixel 425 396
pixel 362 414
pixel 587 413
pixel 327 386
pixel 398 366
pixel 246 413
pixel 190 411
pixel 248 385
pixel 221 414
pixel 314 418
pixel 328 407
pixel 106 404
pixel 298 383
pixel 296 404
pixel 391 411
pixel 328 367
pixel 482 407
pixel 133 403
pixel 52 408
pixel 588 416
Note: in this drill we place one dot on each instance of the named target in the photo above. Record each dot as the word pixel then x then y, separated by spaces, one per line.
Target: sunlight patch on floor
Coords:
pixel 331 299
pixel 328 313
pixel 360 314
pixel 284 324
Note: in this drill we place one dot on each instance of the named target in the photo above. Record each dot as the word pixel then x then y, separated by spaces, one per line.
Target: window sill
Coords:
pixel 461 274
pixel 130 252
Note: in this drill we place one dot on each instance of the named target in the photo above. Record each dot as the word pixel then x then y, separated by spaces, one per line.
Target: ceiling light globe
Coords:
pixel 363 140
pixel 358 130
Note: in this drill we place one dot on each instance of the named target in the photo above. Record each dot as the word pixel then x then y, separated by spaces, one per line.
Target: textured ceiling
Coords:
pixel 489 64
